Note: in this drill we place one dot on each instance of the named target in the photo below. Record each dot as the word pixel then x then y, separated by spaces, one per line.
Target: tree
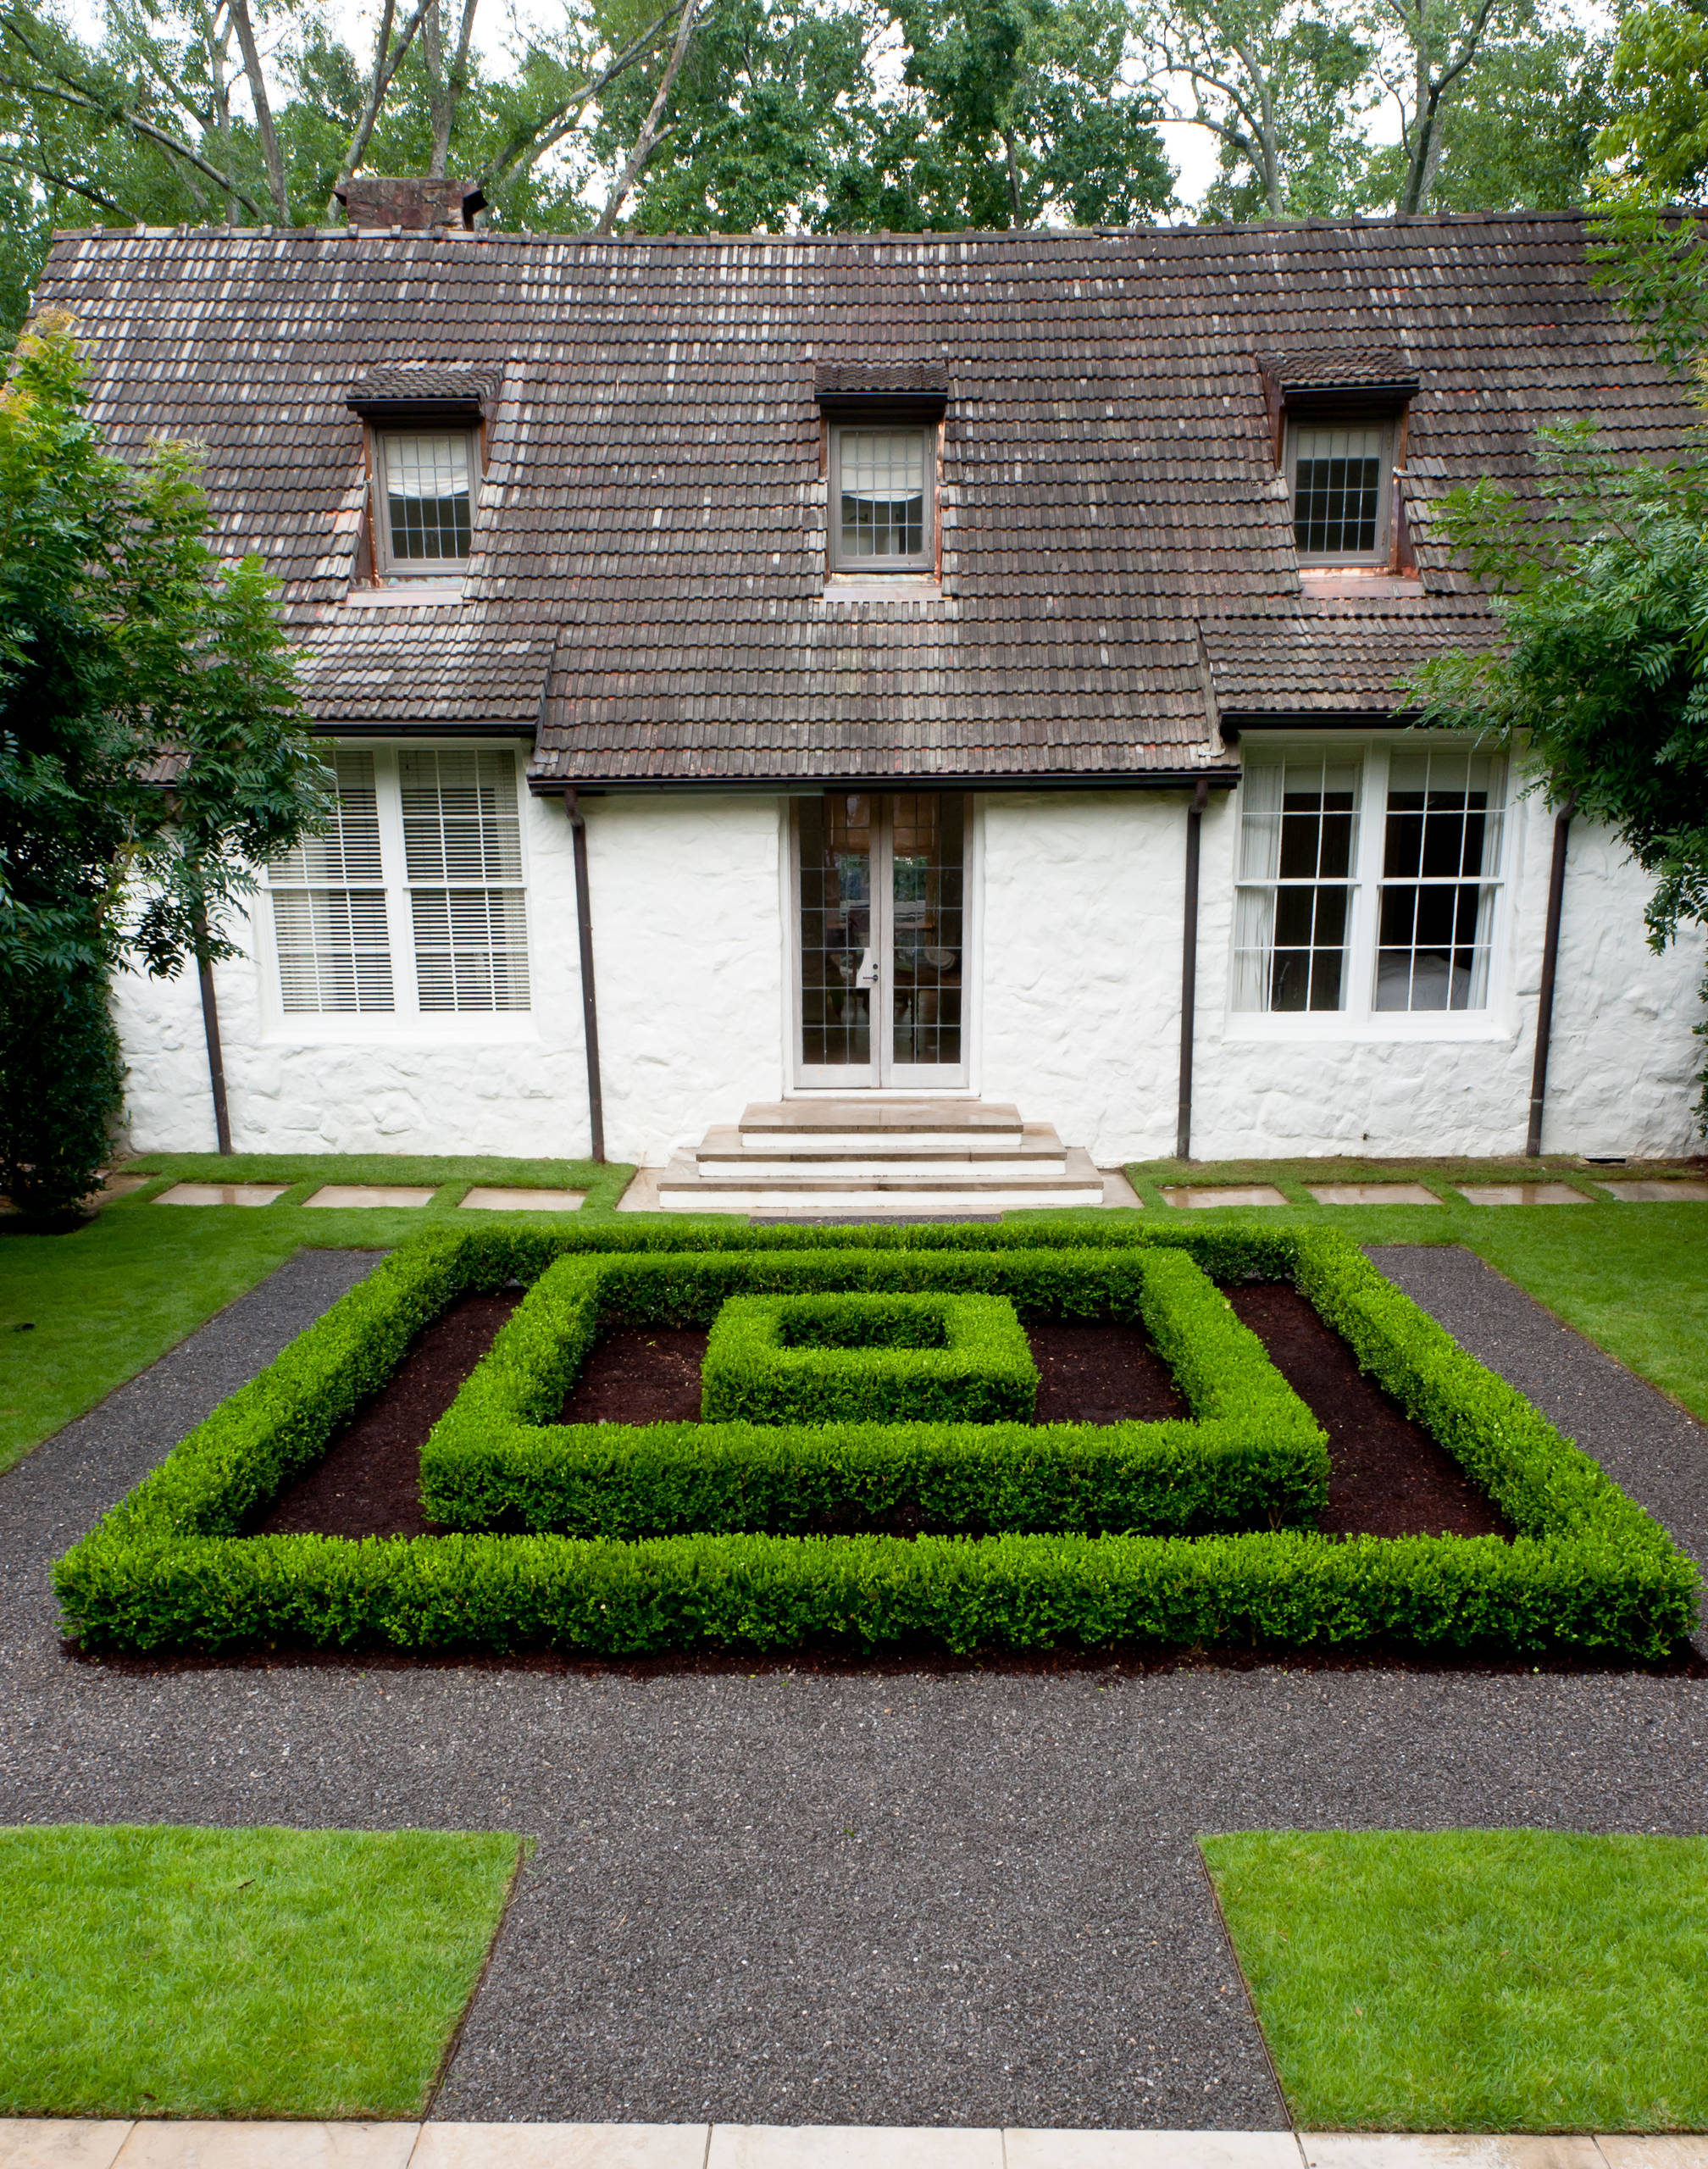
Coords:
pixel 1283 87
pixel 1601 581
pixel 153 749
pixel 1659 81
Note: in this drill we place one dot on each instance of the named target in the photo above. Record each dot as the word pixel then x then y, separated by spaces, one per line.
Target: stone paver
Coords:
pixel 561 2146
pixel 1449 2151
pixel 1070 2149
pixel 1372 1194
pixel 1522 1194
pixel 194 2145
pixel 360 1196
pixel 858 2146
pixel 1184 1194
pixel 1656 1193
pixel 482 1199
pixel 60 2142
pixel 222 1193
pixel 1653 2150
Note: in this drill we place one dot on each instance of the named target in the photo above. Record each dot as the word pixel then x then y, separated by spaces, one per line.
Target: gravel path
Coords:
pixel 902 1898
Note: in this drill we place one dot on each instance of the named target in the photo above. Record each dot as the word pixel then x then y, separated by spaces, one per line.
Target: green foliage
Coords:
pixel 1601 684
pixel 61 1089
pixel 1253 1457
pixel 126 651
pixel 1658 131
pixel 819 1359
pixel 167 1972
pixel 167 1568
pixel 1475 1980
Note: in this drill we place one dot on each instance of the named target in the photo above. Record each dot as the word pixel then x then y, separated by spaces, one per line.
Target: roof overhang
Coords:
pixel 1220 777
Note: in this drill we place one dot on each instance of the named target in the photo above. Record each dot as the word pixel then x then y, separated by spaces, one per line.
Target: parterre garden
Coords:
pixel 851 1377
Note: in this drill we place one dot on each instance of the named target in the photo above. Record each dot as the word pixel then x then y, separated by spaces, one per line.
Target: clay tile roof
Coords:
pixel 1339 368
pixel 401 384
pixel 881 379
pixel 647 573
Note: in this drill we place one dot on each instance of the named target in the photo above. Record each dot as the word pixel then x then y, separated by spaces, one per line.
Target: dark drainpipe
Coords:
pixel 1188 969
pixel 1551 960
pixel 590 1007
pixel 210 1026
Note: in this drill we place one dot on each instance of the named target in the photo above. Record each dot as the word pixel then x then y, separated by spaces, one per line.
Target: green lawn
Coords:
pixel 182 1972
pixel 1476 1980
pixel 101 1304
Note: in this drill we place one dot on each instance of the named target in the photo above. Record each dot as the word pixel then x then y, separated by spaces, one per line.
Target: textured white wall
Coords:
pixel 1081 1005
pixel 688 947
pixel 1078 1018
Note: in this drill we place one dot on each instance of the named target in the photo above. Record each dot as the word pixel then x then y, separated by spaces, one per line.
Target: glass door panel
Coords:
pixel 837 966
pixel 926 947
pixel 880 939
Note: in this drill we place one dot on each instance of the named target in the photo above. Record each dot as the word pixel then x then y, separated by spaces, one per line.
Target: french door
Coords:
pixel 880 939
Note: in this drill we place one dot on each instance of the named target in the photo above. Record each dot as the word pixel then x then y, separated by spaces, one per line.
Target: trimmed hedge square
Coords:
pixel 1064 1559
pixel 813 1359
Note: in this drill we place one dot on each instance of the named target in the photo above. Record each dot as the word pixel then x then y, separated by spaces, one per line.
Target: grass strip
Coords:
pixel 1476 1980
pixel 167 1971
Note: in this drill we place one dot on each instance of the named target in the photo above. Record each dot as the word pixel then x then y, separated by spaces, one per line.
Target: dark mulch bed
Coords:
pixel 369 1483
pixel 640 1374
pixel 1387 1476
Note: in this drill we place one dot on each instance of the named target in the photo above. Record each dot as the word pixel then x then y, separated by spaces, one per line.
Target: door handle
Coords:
pixel 867 976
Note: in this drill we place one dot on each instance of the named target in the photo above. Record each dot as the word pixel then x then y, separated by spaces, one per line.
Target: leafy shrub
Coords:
pixel 168 1568
pixel 61 1089
pixel 810 1359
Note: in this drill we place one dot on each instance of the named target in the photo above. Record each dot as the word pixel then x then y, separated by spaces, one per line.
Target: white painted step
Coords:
pixel 897 1125
pixel 683 1188
pixel 724 1155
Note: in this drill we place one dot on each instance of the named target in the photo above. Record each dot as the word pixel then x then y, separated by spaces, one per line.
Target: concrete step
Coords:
pixel 683 1188
pixel 724 1155
pixel 858 1125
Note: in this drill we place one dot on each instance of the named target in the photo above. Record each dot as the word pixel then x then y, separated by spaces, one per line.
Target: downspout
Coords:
pixel 1189 968
pixel 210 1026
pixel 590 1007
pixel 1551 960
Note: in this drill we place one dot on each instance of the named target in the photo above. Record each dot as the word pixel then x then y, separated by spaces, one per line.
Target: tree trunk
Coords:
pixel 264 112
pixel 649 132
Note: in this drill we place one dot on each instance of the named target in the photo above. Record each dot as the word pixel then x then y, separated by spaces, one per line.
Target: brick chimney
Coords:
pixel 371 203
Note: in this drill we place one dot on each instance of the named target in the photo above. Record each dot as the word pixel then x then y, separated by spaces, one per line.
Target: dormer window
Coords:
pixel 883 494
pixel 426 427
pixel 883 429
pixel 1337 415
pixel 1340 476
pixel 426 489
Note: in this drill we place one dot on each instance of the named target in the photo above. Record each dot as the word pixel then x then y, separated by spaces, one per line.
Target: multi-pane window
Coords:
pixel 1339 479
pixel 1297 845
pixel 414 900
pixel 463 854
pixel 881 489
pixel 329 906
pixel 1367 882
pixel 427 484
pixel 1440 850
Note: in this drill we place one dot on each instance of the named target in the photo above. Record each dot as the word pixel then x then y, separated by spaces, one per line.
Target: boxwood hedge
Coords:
pixel 171 1567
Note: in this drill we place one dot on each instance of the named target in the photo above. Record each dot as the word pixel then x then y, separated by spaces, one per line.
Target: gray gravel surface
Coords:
pixel 873 1897
pixel 1655 1450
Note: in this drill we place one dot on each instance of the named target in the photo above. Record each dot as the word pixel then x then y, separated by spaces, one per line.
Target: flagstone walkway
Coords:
pixel 779 1897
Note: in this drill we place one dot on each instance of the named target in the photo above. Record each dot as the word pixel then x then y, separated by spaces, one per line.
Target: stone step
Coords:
pixel 724 1155
pixel 682 1188
pixel 856 1125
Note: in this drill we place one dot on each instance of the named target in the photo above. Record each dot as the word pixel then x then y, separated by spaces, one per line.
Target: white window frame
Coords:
pixel 429 571
pixel 406 1021
pixel 1358 1018
pixel 915 562
pixel 1386 431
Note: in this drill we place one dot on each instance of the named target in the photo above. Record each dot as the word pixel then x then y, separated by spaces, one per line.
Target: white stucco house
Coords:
pixel 966 666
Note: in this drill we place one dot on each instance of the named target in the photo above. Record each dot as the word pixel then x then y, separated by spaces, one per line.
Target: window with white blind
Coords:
pixel 415 902
pixel 882 490
pixel 425 519
pixel 1368 881
pixel 329 906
